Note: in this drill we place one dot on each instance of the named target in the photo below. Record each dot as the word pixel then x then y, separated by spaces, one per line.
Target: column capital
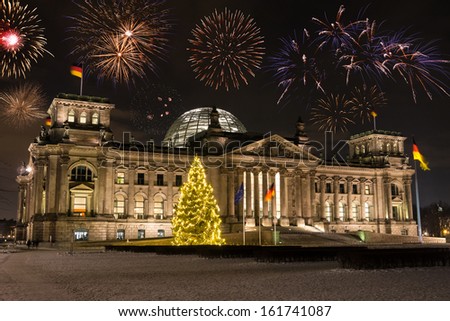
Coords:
pixel 336 178
pixel 362 179
pixel 349 179
pixel 323 177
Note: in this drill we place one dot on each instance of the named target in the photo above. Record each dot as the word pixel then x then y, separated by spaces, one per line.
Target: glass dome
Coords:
pixel 197 120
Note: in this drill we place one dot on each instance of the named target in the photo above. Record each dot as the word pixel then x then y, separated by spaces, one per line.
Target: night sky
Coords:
pixel 256 104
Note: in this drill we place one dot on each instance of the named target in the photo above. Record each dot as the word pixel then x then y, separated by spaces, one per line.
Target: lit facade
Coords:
pixel 80 183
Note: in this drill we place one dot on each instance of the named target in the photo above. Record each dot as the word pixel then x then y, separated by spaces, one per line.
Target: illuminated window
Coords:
pixel 81 174
pixel 71 116
pixel 363 149
pixel 83 118
pixel 94 119
pixel 119 206
pixel 341 211
pixel 79 206
pixel 80 234
pixel 355 210
pixel 158 209
pixel 357 150
pixel 328 211
pixel 139 206
pixel 388 147
pixel 161 233
pixel 367 189
pixel 366 211
pixel 120 178
pixel 120 235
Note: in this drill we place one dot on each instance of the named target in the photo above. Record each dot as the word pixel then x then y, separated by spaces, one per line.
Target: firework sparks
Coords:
pixel 154 108
pixel 332 113
pixel 295 67
pixel 226 49
pixel 22 41
pixel 137 30
pixel 365 101
pixel 22 104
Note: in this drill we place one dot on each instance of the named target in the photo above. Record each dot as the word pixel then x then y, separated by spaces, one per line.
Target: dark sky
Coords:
pixel 255 105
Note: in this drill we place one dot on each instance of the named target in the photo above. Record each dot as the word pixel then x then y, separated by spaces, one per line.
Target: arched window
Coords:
pixel 95 119
pixel 357 150
pixel 363 149
pixel 158 209
pixel 81 174
pixel 139 206
pixel 71 116
pixel 341 211
pixel 354 211
pixel 119 206
pixel 388 148
pixel 83 118
pixel 366 211
pixel 328 211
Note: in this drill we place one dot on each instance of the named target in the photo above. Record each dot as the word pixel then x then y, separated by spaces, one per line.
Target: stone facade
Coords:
pixel 82 184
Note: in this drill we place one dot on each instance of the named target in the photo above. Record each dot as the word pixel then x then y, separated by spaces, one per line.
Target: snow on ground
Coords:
pixel 57 275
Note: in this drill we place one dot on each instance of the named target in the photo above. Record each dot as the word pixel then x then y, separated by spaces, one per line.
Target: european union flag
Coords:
pixel 239 194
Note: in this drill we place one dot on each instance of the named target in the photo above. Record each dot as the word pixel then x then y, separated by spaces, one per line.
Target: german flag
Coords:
pixel 48 121
pixel 373 114
pixel 419 157
pixel 76 70
pixel 270 193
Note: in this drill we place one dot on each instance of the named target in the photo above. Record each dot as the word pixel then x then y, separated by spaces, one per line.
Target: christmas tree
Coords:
pixel 196 220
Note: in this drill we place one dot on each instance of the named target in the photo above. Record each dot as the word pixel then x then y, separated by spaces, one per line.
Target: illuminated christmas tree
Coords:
pixel 196 220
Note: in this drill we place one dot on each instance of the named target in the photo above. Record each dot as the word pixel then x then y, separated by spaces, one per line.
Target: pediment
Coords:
pixel 275 146
pixel 81 188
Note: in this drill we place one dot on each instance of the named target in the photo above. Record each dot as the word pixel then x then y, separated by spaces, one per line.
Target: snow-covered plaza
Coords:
pixel 58 275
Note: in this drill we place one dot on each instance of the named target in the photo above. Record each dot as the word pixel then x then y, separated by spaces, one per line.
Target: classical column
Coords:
pixel 265 186
pixel 109 188
pixel 20 203
pixel 38 183
pixel 322 197
pixel 307 214
pixel 256 193
pixel 151 192
pixel 362 208
pixel 224 191
pixel 312 193
pixel 284 198
pixel 298 197
pixel 388 197
pixel 131 178
pixel 231 215
pixel 349 199
pixel 375 199
pixel 63 184
pixel 51 189
pixel 336 198
pixel 170 179
pixel 408 199
pixel 250 221
pixel 273 201
pixel 239 207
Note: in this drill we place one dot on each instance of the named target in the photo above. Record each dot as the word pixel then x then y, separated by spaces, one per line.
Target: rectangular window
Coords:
pixel 161 233
pixel 328 188
pixel 79 206
pixel 119 207
pixel 160 179
pixel 342 188
pixel 178 180
pixel 80 235
pixel 139 209
pixel 140 178
pixel 120 234
pixel 355 189
pixel 120 179
pixel 367 189
pixel 141 234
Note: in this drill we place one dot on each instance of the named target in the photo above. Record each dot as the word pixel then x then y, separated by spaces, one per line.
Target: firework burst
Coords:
pixel 22 104
pixel 366 100
pixel 22 41
pixel 226 49
pixel 332 113
pixel 154 108
pixel 137 27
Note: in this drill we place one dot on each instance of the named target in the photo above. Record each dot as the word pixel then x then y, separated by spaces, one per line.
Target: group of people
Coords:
pixel 33 244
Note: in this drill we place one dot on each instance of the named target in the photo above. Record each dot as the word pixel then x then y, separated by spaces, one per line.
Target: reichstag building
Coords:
pixel 81 183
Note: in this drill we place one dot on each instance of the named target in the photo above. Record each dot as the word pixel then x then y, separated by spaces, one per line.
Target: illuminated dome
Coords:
pixel 197 120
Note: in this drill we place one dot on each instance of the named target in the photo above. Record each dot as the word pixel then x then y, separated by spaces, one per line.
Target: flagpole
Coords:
pixel 374 123
pixel 243 227
pixel 419 224
pixel 81 83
